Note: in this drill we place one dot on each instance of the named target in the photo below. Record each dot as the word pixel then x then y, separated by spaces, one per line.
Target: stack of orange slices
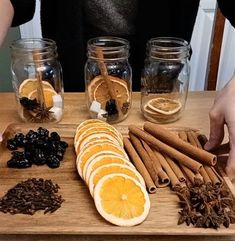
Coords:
pixel 162 108
pixel 29 89
pixel 117 187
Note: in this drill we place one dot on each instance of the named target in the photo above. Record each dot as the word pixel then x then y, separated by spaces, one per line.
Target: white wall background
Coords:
pixel 32 29
pixel 227 59
pixel 201 43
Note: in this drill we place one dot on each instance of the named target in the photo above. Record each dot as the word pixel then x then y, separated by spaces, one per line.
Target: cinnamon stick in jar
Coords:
pixel 172 140
pixel 104 73
pixel 164 148
pixel 139 165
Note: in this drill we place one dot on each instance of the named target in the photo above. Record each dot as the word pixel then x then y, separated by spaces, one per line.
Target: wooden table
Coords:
pixel 195 116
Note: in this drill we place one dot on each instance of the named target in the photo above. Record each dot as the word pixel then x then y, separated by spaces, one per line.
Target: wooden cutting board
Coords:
pixel 78 214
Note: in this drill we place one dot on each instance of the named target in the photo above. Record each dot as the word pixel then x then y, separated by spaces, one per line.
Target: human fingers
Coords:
pixel 216 130
pixel 230 167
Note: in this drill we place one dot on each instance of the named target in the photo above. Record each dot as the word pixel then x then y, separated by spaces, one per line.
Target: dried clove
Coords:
pixel 30 196
pixel 205 205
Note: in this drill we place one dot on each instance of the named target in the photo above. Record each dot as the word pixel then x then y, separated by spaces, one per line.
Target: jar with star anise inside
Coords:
pixel 37 80
pixel 108 78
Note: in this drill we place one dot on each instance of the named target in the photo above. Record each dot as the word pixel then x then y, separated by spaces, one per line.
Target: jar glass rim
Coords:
pixel 30 44
pixel 108 43
pixel 169 43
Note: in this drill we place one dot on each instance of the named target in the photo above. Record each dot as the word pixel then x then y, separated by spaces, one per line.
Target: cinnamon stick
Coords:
pixel 151 187
pixel 172 140
pixel 40 91
pixel 189 173
pixel 163 179
pixel 175 168
pixel 144 157
pixel 104 73
pixel 199 176
pixel 209 174
pixel 215 180
pixel 205 176
pixel 183 136
pixel 192 139
pixel 173 178
pixel 164 148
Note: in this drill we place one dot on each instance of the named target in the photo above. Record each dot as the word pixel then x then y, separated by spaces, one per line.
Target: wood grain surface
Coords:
pixel 78 219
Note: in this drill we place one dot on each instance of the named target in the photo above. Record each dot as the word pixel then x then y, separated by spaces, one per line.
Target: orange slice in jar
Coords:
pixel 98 90
pixel 29 85
pixel 48 96
pixel 164 106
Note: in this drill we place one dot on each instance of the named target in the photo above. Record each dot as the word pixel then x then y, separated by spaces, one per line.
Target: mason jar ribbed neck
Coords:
pixel 112 48
pixel 168 48
pixel 34 49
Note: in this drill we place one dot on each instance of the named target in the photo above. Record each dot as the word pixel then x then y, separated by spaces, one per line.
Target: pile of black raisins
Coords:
pixel 38 147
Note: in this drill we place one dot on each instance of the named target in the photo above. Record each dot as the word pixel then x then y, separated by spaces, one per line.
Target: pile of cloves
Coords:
pixel 206 205
pixel 30 196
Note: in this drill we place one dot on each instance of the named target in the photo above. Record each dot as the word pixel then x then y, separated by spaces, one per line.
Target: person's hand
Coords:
pixel 6 16
pixel 223 113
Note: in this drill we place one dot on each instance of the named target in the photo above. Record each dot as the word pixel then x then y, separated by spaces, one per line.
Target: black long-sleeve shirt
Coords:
pixel 73 22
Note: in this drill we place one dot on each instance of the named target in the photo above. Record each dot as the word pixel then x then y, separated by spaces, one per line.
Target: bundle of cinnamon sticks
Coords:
pixel 169 158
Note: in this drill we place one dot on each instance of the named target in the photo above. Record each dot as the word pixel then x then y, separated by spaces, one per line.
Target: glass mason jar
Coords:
pixel 108 78
pixel 165 79
pixel 37 80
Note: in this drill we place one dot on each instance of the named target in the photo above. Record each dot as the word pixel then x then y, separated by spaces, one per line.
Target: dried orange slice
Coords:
pixel 29 85
pixel 98 90
pixel 110 168
pixel 100 130
pixel 121 200
pixel 94 123
pixel 102 159
pixel 164 106
pixel 99 123
pixel 48 96
pixel 91 150
pixel 97 128
pixel 88 122
pixel 95 138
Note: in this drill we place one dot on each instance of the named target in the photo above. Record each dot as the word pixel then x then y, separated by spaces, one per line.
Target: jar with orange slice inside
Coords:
pixel 37 80
pixel 108 79
pixel 165 79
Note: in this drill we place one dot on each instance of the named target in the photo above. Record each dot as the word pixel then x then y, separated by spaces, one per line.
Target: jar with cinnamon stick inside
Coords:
pixel 37 80
pixel 108 78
